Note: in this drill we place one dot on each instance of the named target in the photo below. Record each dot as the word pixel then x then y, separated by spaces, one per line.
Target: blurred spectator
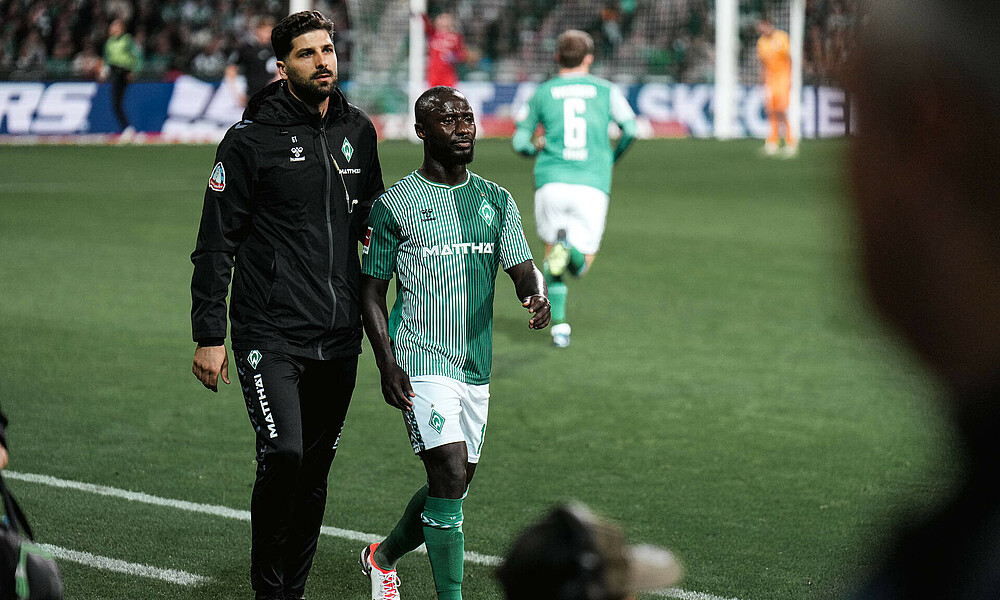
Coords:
pixel 87 64
pixel 445 50
pixel 573 554
pixel 32 54
pixel 927 223
pixel 210 63
pixel 501 39
pixel 60 63
pixel 256 59
pixel 162 56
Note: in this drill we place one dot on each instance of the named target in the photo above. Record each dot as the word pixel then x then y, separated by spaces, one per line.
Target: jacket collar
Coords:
pixel 275 105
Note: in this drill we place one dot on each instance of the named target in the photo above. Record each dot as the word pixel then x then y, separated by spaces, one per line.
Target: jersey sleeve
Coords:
pixel 527 121
pixel 624 116
pixel 381 243
pixel 513 247
pixel 621 111
pixel 226 219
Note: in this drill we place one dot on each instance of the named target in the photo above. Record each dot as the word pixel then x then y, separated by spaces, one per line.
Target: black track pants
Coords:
pixel 119 81
pixel 297 407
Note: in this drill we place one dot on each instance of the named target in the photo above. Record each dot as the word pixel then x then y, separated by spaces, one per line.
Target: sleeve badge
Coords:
pixel 217 182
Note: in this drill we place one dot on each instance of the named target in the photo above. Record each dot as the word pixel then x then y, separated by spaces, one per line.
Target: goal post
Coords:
pixel 726 61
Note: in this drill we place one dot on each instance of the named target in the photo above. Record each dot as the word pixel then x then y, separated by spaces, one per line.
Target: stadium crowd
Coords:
pixel 507 40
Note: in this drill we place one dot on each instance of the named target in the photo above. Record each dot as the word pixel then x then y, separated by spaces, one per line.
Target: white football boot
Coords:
pixel 385 584
pixel 560 335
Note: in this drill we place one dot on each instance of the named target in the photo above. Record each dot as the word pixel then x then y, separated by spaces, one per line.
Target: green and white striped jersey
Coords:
pixel 445 245
pixel 575 111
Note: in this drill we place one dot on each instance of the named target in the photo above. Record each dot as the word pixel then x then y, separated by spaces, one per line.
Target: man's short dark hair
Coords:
pixel 572 47
pixel 295 25
pixel 430 99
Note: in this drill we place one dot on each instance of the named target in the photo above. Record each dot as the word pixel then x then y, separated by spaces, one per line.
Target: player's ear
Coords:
pixel 419 128
pixel 281 69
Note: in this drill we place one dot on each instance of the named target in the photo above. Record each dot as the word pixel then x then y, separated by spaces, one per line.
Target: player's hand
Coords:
pixel 3 457
pixel 211 362
pixel 538 305
pixel 396 388
pixel 538 142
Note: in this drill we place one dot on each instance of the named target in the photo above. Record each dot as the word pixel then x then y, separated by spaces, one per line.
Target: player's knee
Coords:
pixel 284 458
pixel 447 477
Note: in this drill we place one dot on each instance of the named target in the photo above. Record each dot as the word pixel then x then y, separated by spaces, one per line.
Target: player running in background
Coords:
pixel 774 51
pixel 444 231
pixel 573 165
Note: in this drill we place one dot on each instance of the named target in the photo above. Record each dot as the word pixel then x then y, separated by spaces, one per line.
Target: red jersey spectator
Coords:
pixel 445 50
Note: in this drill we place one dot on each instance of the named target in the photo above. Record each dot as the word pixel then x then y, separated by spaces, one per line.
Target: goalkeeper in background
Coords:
pixel 774 52
pixel 573 165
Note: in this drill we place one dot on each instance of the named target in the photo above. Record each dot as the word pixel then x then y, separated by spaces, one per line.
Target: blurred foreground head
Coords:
pixel 925 79
pixel 572 554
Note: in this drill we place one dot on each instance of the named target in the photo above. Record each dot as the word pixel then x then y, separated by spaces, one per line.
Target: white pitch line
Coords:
pixel 121 566
pixel 244 515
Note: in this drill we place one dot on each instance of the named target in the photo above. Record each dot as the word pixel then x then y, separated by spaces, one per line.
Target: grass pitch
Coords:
pixel 727 394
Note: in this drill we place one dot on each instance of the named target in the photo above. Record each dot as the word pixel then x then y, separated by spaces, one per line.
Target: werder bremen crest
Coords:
pixel 347 149
pixel 437 421
pixel 487 212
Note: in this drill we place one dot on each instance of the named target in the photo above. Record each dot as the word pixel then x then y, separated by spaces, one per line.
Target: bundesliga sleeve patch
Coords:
pixel 368 241
pixel 218 179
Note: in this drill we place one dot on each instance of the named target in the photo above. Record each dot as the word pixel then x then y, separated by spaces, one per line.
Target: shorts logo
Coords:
pixel 437 421
pixel 368 241
pixel 218 179
pixel 486 212
pixel 253 358
pixel 265 407
pixel 347 149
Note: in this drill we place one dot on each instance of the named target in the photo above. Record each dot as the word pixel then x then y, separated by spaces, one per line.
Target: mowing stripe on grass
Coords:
pixel 244 515
pixel 121 566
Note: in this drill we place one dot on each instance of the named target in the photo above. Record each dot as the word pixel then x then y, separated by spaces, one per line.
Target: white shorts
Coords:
pixel 579 209
pixel 445 411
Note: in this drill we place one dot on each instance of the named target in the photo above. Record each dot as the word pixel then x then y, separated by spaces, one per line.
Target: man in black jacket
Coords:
pixel 288 199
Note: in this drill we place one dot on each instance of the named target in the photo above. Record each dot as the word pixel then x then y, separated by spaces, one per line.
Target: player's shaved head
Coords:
pixel 572 47
pixel 434 99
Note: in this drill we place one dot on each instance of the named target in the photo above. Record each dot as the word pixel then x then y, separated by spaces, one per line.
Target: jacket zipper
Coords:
pixel 343 185
pixel 329 227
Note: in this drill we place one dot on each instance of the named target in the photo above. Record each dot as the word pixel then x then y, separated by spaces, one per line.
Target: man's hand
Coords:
pixel 3 457
pixel 538 142
pixel 538 305
pixel 396 387
pixel 209 363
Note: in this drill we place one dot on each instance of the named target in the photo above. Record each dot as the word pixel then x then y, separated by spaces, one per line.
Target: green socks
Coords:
pixel 442 520
pixel 407 535
pixel 577 261
pixel 557 301
pixel 436 522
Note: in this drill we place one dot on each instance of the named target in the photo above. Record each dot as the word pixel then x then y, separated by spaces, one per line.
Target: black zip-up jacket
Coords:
pixel 287 203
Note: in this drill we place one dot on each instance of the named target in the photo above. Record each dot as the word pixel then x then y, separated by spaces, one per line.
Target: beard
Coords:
pixel 308 89
pixel 464 157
